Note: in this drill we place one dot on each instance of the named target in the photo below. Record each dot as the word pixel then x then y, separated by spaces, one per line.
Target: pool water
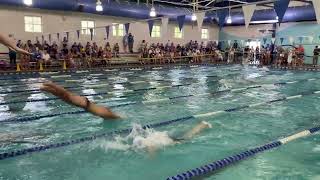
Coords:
pixel 115 157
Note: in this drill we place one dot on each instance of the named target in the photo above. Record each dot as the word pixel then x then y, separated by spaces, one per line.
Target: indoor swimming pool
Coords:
pixel 237 100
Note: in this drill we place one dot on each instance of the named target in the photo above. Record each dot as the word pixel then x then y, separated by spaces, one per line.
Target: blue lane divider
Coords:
pixel 134 91
pixel 154 125
pixel 33 118
pixel 231 160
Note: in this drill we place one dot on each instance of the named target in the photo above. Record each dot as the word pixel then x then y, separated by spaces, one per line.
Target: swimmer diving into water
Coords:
pixel 7 42
pixel 78 101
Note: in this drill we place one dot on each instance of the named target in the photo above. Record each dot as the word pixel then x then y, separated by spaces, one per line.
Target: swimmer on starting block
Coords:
pixel 7 42
pixel 78 101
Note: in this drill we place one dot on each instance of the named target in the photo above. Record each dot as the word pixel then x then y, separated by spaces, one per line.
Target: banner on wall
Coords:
pixel 281 7
pixel 181 20
pixel 248 13
pixel 91 33
pixel 107 31
pixel 78 34
pixel 200 18
pixel 150 24
pixel 222 14
pixel 281 40
pixel 127 26
pixel 164 27
pixel 316 6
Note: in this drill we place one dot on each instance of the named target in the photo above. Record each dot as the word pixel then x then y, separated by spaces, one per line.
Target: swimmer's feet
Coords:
pixel 206 124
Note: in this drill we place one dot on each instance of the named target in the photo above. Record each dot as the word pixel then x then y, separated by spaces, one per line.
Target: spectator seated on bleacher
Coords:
pixel 45 58
pixel 116 50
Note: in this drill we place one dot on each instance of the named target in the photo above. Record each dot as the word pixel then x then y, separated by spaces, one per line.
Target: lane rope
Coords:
pixel 33 118
pixel 231 160
pixel 42 148
pixel 133 91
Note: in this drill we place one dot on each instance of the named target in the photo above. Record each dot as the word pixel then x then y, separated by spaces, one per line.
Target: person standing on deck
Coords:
pixel 315 56
pixel 125 42
pixel 130 42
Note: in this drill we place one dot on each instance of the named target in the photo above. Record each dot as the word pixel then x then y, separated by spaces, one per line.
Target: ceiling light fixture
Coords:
pixel 194 17
pixel 27 2
pixel 99 7
pixel 229 19
pixel 153 12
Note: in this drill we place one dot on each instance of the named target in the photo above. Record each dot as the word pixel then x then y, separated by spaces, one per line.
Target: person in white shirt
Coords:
pixel 45 57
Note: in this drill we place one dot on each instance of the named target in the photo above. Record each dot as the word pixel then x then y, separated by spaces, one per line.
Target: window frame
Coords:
pixel 176 32
pixel 86 30
pixel 206 34
pixel 116 30
pixel 156 33
pixel 33 24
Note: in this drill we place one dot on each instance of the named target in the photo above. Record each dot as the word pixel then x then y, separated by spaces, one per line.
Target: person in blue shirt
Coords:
pixel 130 42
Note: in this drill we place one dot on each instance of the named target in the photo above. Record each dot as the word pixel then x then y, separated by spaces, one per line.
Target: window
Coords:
pixel 86 26
pixel 177 33
pixel 118 30
pixel 156 32
pixel 32 24
pixel 204 34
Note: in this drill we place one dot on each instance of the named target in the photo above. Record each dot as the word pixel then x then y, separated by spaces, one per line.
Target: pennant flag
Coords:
pixel 281 40
pixel 316 6
pixel 164 27
pixel 91 33
pixel 242 42
pixel 181 20
pixel 58 36
pixel 200 18
pixel 281 7
pixel 264 40
pixel 291 40
pixel 37 39
pixel 150 23
pixel 127 26
pixel 42 38
pixel 78 33
pixel 50 38
pixel 248 13
pixel 300 39
pixel 229 42
pixel 273 40
pixel 108 31
pixel 222 14
pixel 67 36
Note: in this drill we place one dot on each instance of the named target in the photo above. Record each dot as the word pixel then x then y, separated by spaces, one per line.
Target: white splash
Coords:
pixel 139 139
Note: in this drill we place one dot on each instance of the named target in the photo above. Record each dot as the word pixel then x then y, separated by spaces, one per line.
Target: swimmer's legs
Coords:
pixel 197 130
